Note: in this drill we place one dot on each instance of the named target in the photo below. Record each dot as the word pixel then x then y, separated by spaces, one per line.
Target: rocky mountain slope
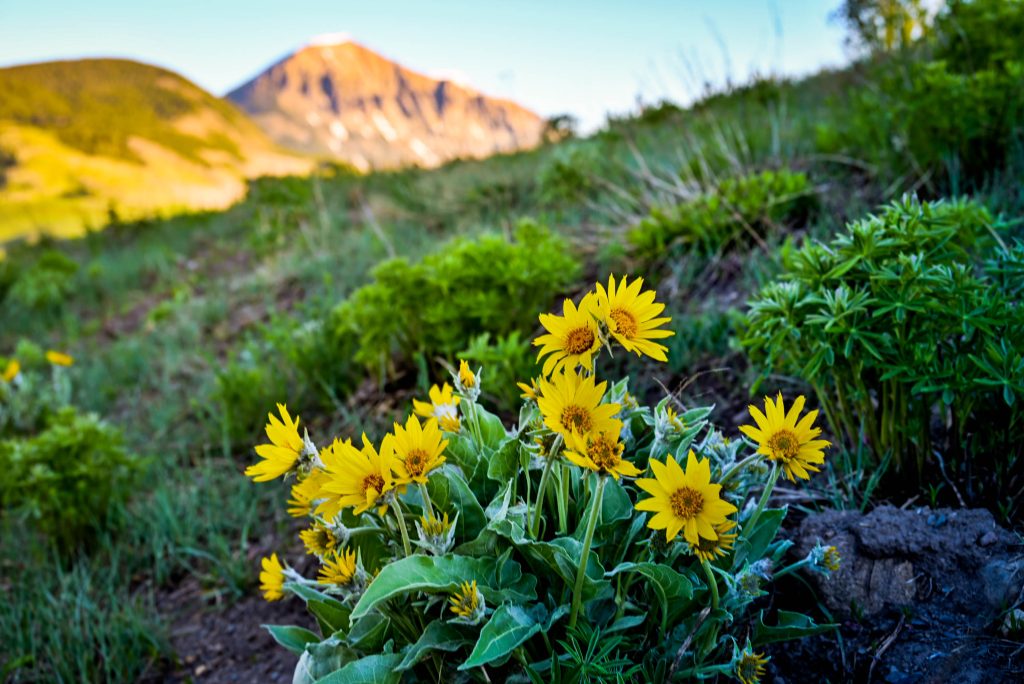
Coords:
pixel 345 101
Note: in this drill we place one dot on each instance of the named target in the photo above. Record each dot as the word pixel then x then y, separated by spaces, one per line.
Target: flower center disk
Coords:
pixel 686 502
pixel 375 482
pixel 579 340
pixel 625 323
pixel 784 444
pixel 604 452
pixel 416 461
pixel 576 418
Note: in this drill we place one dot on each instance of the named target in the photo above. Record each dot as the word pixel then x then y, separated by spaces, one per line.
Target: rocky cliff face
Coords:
pixel 345 101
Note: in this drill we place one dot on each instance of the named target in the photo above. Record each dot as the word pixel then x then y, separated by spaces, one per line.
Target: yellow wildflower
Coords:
pixel 785 438
pixel 631 317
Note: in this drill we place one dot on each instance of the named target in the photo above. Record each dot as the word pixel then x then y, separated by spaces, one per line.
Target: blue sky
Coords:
pixel 583 57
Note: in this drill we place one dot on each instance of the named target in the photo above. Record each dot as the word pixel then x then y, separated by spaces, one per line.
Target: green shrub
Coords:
pixel 508 360
pixel 567 176
pixel 430 308
pixel 953 121
pixel 739 210
pixel 45 284
pixel 910 344
pixel 66 477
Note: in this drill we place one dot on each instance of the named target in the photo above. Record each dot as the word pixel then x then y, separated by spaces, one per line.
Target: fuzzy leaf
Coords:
pixel 438 636
pixel 790 626
pixel 374 669
pixel 291 637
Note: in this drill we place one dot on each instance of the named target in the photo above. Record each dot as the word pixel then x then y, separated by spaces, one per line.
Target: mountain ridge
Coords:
pixel 346 101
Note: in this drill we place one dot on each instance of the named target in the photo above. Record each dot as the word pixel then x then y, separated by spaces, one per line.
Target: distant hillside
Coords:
pixel 350 103
pixel 79 138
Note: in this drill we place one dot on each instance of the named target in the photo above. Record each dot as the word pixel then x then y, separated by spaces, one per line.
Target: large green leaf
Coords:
pixel 374 669
pixel 492 430
pixel 510 626
pixel 754 543
pixel 332 616
pixel 291 637
pixel 450 492
pixel 438 636
pixel 369 632
pixel 503 464
pixel 790 626
pixel 672 589
pixel 497 581
pixel 322 659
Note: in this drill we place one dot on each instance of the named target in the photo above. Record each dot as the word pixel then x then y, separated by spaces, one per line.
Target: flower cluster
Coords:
pixel 499 513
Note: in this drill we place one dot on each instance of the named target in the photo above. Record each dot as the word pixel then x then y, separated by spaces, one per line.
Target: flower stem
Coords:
pixel 595 513
pixel 772 479
pixel 737 467
pixel 401 527
pixel 543 484
pixel 792 568
pixel 712 584
pixel 427 508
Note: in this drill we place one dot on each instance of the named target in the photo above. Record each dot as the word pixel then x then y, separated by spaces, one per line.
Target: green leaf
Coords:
pixel 374 669
pixel 445 574
pixel 332 615
pixel 673 590
pixel 438 636
pixel 509 626
pixel 291 637
pixel 791 626
pixel 503 464
pixel 322 659
pixel 754 543
pixel 492 430
pixel 369 632
pixel 449 491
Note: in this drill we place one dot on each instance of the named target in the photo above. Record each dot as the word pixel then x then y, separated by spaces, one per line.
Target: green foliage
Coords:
pixel 883 25
pixel 508 358
pixel 66 478
pixel 43 284
pixel 739 210
pixel 569 174
pixel 952 122
pixel 468 287
pixel 638 596
pixel 911 345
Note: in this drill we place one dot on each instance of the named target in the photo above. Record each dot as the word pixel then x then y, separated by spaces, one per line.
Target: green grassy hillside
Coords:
pixel 82 138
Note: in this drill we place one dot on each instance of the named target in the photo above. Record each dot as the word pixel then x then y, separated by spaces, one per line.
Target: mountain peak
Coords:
pixel 337 98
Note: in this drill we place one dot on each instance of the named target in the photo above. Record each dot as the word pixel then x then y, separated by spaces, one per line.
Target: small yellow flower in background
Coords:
pixel 785 438
pixel 272 579
pixel 600 452
pixel 339 569
pixel 531 391
pixel 418 449
pixel 572 338
pixel 356 478
pixel 631 317
pixel 11 370
pixel 468 604
pixel 713 549
pixel 466 376
pixel 832 559
pixel 570 402
pixel 305 493
pixel 58 358
pixel 750 666
pixel 443 405
pixel 283 452
pixel 319 540
pixel 684 500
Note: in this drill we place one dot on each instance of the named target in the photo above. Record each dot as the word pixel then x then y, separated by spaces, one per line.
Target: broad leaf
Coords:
pixel 509 626
pixel 790 626
pixel 503 464
pixel 374 669
pixel 438 636
pixel 449 491
pixel 291 637
pixel 446 574
pixel 754 543
pixel 332 615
